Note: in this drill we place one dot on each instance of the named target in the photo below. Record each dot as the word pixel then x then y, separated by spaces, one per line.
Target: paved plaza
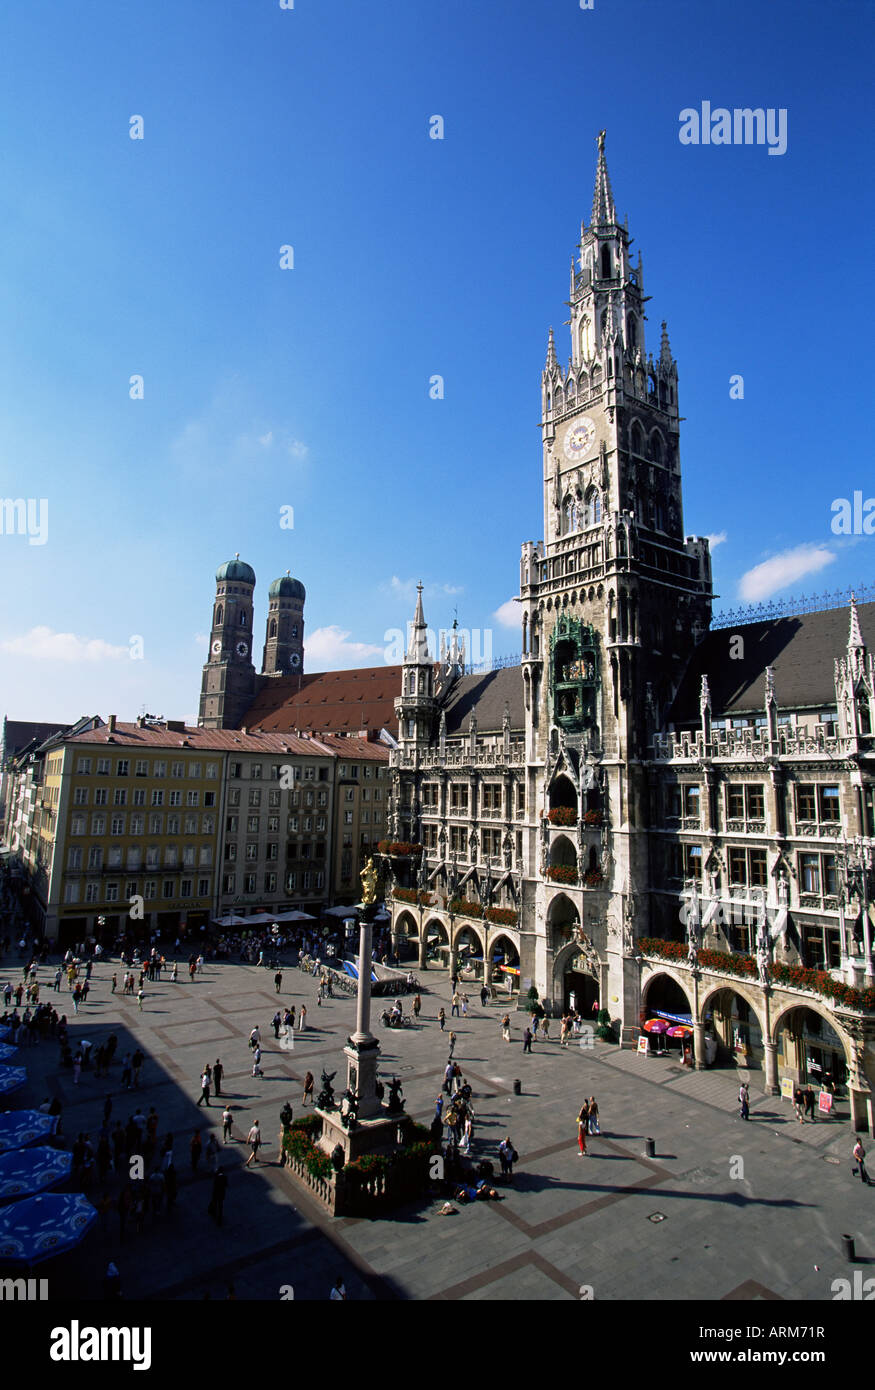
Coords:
pixel 692 1222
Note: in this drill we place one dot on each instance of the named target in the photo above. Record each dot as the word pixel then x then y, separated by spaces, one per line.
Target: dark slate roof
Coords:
pixel 487 694
pixel 20 733
pixel 801 650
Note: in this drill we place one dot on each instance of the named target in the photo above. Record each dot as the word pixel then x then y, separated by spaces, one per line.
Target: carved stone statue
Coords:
pixel 694 928
pixel 395 1103
pixel 349 1109
pixel 763 951
pixel 325 1100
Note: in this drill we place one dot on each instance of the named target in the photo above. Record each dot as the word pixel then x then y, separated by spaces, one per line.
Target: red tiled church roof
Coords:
pixel 338 702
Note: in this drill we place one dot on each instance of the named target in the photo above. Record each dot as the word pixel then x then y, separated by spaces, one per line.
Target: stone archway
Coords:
pixel 405 937
pixel 469 950
pixel 503 963
pixel 434 947
pixel 577 981
pixel 814 1050
pixel 736 1026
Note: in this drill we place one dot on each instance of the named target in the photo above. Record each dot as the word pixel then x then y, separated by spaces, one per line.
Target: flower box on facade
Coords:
pixel 562 873
pixel 503 916
pixel 594 878
pixel 592 817
pixel 562 815
pixel 463 907
pixel 398 849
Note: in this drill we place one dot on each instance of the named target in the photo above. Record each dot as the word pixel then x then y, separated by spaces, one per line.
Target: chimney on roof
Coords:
pixel 244 730
pixel 140 721
pixel 110 723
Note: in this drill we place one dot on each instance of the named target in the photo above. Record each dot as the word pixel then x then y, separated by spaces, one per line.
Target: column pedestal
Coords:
pixel 771 1066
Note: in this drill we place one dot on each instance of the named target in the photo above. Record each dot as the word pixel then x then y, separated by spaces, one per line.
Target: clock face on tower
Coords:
pixel 295 659
pixel 578 438
pixel 241 648
pixel 217 647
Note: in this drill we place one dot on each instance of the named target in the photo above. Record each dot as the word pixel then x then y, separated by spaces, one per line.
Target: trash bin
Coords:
pixel 517 1088
pixel 848 1249
pixel 649 1148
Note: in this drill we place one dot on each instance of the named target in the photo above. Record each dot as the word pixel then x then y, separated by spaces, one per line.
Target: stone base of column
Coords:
pixel 381 1133
pixel 362 1056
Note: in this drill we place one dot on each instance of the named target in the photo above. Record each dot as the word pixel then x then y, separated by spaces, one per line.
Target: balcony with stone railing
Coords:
pixel 493 756
pixel 750 744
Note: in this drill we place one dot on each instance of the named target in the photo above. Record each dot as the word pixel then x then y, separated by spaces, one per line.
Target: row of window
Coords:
pixel 748 868
pixel 309 881
pixel 491 841
pixel 293 823
pixel 492 798
pixel 191 855
pixel 138 798
pixel 137 822
pixel 274 798
pixel 305 850
pixel 96 892
pixel 746 801
pixel 142 768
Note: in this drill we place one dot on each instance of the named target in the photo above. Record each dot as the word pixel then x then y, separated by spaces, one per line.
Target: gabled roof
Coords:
pixel 487 694
pixel 132 737
pixel 19 734
pixel 800 649
pixel 328 702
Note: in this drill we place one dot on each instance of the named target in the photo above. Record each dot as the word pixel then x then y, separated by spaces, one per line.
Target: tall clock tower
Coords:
pixel 228 683
pixel 613 601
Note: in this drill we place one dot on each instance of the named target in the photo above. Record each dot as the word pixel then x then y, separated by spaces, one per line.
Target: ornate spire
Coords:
pixel 551 352
pixel 855 637
pixel 417 647
pixel 664 346
pixel 705 695
pixel 603 210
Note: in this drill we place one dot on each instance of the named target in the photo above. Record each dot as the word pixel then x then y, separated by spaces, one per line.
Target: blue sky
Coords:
pixel 308 388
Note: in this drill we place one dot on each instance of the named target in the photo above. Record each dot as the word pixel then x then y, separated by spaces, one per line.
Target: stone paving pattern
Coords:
pixel 567 1221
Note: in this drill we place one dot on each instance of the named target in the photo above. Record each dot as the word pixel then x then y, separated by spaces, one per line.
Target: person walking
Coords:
pixel 212 1154
pixel 454 1009
pixel 290 1019
pixel 256 1063
pixel 505 1027
pixel 527 1040
pixel 205 1087
pixel 582 1127
pixel 467 1133
pixel 859 1156
pixel 417 1006
pixel 255 1038
pixel 276 1022
pixel 308 1088
pixel 439 1107
pixel 465 1002
pixel 448 1078
pixel 484 995
pixel 197 1148
pixel 227 1124
pixel 174 974
pixel 534 1025
pixel 809 1104
pixel 217 1199
pixel 278 981
pixel 507 1156
pixel 442 1018
pixel 302 1018
pixel 452 1043
pixel 253 1139
pixel 594 1126
pixel 141 995
pixel 744 1100
pixel 797 1104
pixel 545 1028
pixel 218 1073
pixel 114 984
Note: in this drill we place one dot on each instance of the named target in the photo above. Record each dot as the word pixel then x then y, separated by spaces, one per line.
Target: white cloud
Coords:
pixel 782 570
pixel 717 539
pixel 42 644
pixel 266 439
pixel 296 448
pixel 327 648
pixel 508 614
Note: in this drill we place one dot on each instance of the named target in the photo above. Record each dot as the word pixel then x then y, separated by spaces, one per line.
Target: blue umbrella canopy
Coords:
pixel 19 1128
pixel 6 1051
pixel 11 1079
pixel 24 1172
pixel 39 1227
pixel 4 1032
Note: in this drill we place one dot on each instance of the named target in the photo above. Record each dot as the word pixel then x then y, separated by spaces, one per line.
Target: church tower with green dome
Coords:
pixel 228 683
pixel 284 635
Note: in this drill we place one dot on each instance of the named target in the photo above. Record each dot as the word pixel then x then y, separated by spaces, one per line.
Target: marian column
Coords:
pixel 362 1049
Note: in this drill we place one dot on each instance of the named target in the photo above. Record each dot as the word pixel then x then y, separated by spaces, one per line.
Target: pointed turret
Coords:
pixel 665 346
pixel 551 353
pixel 416 706
pixel 417 646
pixel 855 637
pixel 603 210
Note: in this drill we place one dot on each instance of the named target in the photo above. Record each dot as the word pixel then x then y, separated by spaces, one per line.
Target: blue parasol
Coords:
pixel 6 1051
pixel 11 1079
pixel 40 1227
pixel 24 1172
pixel 19 1128
pixel 4 1032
